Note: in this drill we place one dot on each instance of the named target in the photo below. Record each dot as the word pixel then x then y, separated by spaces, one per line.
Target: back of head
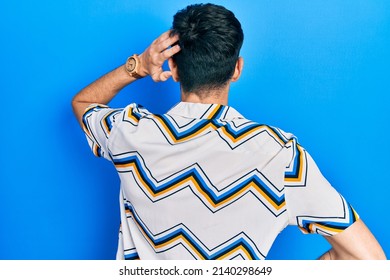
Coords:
pixel 210 37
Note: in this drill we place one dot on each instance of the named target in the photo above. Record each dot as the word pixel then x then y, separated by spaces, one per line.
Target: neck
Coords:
pixel 217 96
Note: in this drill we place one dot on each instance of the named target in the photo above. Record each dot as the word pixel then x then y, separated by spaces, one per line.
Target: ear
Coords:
pixel 173 68
pixel 238 69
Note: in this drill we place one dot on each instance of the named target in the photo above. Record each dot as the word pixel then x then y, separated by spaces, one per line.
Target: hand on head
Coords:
pixel 153 58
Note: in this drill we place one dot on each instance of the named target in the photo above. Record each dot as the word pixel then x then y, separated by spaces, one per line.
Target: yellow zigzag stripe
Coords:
pixel 191 179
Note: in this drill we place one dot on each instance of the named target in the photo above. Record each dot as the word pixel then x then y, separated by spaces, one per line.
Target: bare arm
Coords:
pixel 101 91
pixel 355 243
pixel 107 87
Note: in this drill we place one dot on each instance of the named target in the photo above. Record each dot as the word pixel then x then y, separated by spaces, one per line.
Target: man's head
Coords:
pixel 210 37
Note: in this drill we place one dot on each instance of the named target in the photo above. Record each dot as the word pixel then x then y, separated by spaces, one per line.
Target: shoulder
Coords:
pixel 134 112
pixel 282 137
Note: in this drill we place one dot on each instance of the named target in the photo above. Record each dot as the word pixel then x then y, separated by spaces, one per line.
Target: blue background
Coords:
pixel 319 69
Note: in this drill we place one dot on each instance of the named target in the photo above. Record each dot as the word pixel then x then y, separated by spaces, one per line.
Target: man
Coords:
pixel 201 181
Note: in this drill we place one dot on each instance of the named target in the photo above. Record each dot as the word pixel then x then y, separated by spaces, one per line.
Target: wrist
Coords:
pixel 142 63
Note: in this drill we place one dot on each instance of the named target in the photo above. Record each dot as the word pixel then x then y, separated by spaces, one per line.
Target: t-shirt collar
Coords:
pixel 204 111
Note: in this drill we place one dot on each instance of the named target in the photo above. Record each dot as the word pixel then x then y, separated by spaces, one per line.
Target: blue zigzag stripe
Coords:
pixel 182 232
pixel 156 187
pixel 132 256
pixel 331 227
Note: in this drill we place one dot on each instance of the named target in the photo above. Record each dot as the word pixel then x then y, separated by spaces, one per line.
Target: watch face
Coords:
pixel 130 64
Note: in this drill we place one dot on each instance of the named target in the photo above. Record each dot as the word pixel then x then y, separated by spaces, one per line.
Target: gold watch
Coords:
pixel 132 66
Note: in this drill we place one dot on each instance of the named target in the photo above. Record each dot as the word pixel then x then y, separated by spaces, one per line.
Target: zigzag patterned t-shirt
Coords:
pixel 203 182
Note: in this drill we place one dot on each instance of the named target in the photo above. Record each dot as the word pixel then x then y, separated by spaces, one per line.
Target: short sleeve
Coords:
pixel 98 123
pixel 312 203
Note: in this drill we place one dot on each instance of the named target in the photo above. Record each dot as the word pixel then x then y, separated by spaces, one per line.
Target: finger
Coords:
pixel 163 36
pixel 165 76
pixel 156 43
pixel 161 76
pixel 170 52
pixel 156 74
pixel 159 58
pixel 163 45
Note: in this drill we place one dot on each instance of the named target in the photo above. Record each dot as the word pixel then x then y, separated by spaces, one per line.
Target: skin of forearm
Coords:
pixel 101 91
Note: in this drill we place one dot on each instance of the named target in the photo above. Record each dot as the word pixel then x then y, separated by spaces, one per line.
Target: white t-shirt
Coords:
pixel 203 182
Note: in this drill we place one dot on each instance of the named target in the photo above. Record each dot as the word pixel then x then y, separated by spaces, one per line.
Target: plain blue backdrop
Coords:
pixel 318 69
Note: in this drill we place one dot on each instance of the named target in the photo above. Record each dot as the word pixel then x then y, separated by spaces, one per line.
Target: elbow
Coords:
pixel 78 108
pixel 74 103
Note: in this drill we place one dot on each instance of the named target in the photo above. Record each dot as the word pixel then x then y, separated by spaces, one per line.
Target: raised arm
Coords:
pixel 107 87
pixel 355 243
